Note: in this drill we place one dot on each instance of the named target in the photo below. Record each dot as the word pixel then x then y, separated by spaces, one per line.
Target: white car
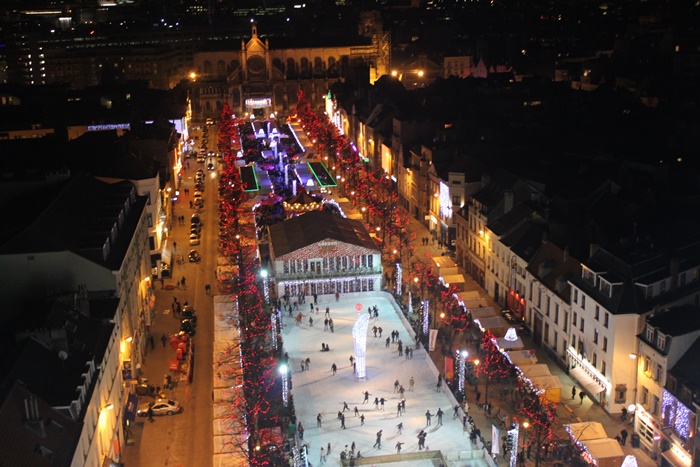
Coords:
pixel 194 239
pixel 160 407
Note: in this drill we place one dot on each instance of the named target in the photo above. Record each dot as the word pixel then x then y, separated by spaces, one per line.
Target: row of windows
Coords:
pixel 330 287
pixel 580 349
pixel 292 66
pixel 334 263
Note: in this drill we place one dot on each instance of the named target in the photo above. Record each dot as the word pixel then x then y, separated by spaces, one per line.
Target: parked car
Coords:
pixel 196 219
pixel 194 239
pixel 160 407
pixel 188 313
pixel 194 256
pixel 188 327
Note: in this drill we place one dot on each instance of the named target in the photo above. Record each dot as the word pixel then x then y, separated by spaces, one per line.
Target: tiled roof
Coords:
pixel 315 226
pixel 677 321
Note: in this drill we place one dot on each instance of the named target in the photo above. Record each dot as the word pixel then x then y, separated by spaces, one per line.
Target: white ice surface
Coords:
pixel 319 391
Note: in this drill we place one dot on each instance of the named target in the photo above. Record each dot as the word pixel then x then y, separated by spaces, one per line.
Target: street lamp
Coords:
pixel 462 369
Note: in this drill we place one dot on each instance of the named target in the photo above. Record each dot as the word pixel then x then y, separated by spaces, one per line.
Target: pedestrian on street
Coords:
pixel 330 324
pixel 396 386
pixel 376 403
pixel 328 450
pixel 374 329
pixel 623 435
pixel 455 414
pixel 366 399
pixel 411 382
pixel 573 393
pixel 315 299
pixel 150 414
pixel 311 321
pixel 342 421
pixel 398 409
pixel 300 429
pixel 357 412
pixel 398 447
pixel 387 342
pixel 323 455
pixel 337 296
pixel 334 368
pixel 328 312
pixel 318 420
pixel 381 402
pixel 379 330
pixel 307 362
pixel 163 339
pixel 400 427
pixel 152 341
pixel 439 414
pixel 362 420
pixel 325 324
pixel 438 386
pixel 174 246
pixel 581 395
pixel 428 417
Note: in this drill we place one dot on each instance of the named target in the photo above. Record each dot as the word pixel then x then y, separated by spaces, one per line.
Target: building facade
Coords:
pixel 324 254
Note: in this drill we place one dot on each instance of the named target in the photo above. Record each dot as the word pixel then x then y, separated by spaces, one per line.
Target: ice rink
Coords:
pixel 317 390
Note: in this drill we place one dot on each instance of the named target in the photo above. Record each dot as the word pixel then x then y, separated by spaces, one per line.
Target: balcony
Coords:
pixel 349 272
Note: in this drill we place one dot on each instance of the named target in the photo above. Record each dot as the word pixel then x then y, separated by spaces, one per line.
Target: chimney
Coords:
pixel 674 267
pixel 507 201
pixel 592 248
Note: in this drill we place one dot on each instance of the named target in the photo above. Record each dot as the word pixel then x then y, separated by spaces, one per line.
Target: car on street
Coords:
pixel 194 256
pixel 194 239
pixel 188 327
pixel 188 313
pixel 196 220
pixel 199 186
pixel 210 166
pixel 160 407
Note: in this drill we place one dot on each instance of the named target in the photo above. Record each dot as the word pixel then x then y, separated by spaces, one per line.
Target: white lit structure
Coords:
pixel 284 371
pixel 462 368
pixel 398 278
pixel 359 338
pixel 426 317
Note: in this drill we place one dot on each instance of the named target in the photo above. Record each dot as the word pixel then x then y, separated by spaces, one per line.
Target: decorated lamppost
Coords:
pixel 284 371
pixel 462 369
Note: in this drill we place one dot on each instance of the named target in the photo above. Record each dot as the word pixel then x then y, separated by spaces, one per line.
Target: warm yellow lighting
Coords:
pixel 420 73
pixel 476 362
pixel 415 279
pixel 394 250
pixel 437 195
pixel 633 355
pixel 193 75
pixel 394 73
pixel 129 339
pixel 442 315
pixel 526 424
pixel 108 407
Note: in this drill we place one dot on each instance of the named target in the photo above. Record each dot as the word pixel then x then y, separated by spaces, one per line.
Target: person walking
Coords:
pixel 374 329
pixel 438 386
pixel 573 393
pixel 345 406
pixel 398 447
pixel 396 386
pixel 428 417
pixel 337 296
pixel 311 321
pixel 328 312
pixel 400 427
pixel 455 414
pixel 323 455
pixel 300 429
pixel 411 382
pixel 330 324
pixel 342 421
pixel 398 409
pixel 439 414
pixel 334 368
pixel 163 339
pixel 307 362
pixel 376 403
pixel 378 443
pixel 366 399
pixel 401 391
pixel 623 436
pixel 381 402
pixel 319 417
pixel 388 341
pixel 581 395
pixel 379 330
pixel 315 299
pixel 325 324
pixel 357 412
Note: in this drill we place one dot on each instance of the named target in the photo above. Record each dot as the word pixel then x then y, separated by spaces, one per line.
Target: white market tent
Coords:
pixel 457 280
pixel 551 385
pixel 485 312
pixel 606 451
pixel 532 371
pixel 522 357
pixel 445 266
pixel 586 431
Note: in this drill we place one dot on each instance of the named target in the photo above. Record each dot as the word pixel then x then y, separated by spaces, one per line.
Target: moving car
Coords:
pixel 160 407
pixel 210 166
pixel 187 327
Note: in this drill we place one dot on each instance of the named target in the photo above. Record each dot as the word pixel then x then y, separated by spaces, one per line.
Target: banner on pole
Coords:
pixel 432 339
pixel 495 438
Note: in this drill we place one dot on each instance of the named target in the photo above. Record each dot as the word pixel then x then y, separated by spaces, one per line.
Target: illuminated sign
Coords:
pixel 257 103
pixel 113 126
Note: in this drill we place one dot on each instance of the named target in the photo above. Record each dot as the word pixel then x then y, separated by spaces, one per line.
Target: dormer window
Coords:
pixel 650 334
pixel 588 275
pixel 605 287
pixel 661 342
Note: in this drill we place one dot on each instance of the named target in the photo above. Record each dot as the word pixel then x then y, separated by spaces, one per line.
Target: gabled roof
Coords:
pixel 80 220
pixel 525 240
pixel 315 226
pixel 22 438
pixel 511 219
pixel 553 267
pixel 677 321
pixel 687 369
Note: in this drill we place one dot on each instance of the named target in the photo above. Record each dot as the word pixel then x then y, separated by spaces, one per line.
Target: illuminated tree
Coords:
pixel 540 412
pixel 494 365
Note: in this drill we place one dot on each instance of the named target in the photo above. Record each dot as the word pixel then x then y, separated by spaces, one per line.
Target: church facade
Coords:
pixel 262 79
